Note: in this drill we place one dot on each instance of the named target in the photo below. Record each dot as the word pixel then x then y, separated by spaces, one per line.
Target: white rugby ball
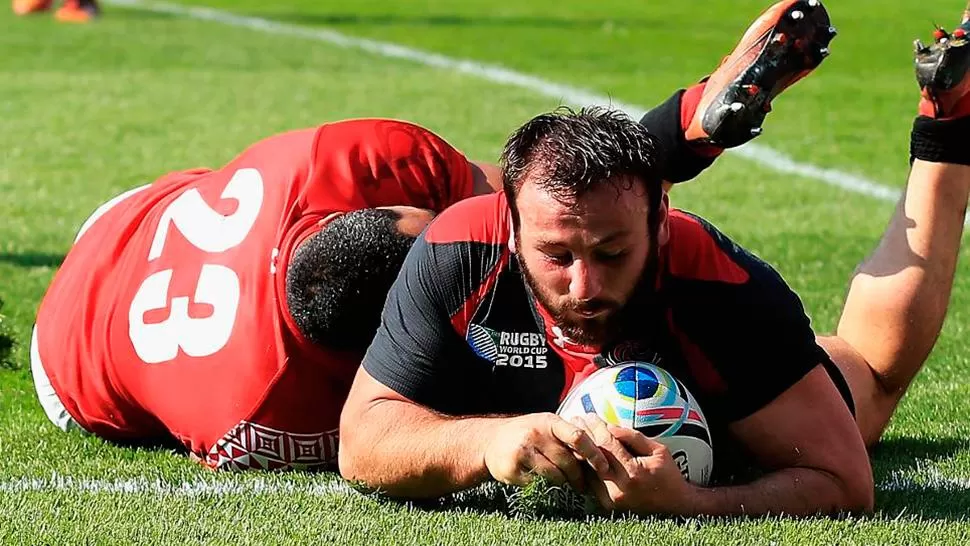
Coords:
pixel 646 398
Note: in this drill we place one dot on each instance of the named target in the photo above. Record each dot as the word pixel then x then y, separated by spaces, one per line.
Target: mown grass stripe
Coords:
pixel 762 155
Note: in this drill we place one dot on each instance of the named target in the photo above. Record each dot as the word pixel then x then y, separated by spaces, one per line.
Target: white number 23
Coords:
pixel 217 286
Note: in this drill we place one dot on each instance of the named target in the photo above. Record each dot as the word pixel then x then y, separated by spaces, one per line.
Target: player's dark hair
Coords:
pixel 568 153
pixel 338 279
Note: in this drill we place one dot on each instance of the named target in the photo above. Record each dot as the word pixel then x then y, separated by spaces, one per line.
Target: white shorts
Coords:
pixel 49 400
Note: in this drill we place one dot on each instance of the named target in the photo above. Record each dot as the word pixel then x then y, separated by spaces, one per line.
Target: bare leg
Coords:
pixel 898 298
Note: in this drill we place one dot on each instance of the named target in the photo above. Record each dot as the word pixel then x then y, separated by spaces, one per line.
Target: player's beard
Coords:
pixel 594 331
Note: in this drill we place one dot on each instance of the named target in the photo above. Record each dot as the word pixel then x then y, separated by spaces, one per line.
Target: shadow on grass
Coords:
pixel 168 444
pixel 7 342
pixel 539 500
pixel 903 453
pixel 907 485
pixel 32 259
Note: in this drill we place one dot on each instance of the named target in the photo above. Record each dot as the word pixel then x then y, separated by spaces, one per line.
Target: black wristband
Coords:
pixel 940 140
pixel 681 163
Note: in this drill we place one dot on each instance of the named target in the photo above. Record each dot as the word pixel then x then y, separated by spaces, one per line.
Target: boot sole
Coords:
pixel 796 45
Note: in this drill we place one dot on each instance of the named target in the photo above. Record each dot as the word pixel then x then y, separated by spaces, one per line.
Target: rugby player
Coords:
pixel 229 309
pixel 509 300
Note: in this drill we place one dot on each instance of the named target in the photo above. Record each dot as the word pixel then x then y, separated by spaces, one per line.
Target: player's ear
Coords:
pixel 663 233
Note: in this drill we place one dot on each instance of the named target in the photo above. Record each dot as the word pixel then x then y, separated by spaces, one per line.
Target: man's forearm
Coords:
pixel 792 491
pixel 412 452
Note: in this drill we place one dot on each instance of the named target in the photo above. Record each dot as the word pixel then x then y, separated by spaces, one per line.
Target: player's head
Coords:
pixel 338 279
pixel 587 208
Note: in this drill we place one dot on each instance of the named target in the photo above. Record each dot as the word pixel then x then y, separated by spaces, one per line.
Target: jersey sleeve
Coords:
pixel 745 332
pixel 368 163
pixel 416 341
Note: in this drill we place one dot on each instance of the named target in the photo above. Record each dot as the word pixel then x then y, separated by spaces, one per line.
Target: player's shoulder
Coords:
pixel 483 219
pixel 721 292
pixel 697 250
pixel 377 130
pixel 463 249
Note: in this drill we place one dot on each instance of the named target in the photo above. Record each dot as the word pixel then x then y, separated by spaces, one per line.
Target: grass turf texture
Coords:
pixel 89 111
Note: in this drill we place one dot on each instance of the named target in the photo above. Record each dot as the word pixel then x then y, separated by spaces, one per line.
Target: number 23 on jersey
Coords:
pixel 217 285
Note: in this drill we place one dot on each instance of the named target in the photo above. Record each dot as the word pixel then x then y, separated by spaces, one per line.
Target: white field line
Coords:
pixel 142 486
pixel 925 480
pixel 757 153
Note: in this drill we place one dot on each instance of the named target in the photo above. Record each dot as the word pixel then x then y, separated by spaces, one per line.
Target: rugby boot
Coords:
pixel 26 7
pixel 77 11
pixel 942 72
pixel 787 42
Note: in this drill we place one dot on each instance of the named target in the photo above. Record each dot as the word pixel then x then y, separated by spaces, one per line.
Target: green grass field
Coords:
pixel 89 111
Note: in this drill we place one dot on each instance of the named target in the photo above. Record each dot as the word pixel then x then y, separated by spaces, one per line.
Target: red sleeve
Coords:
pixel 379 162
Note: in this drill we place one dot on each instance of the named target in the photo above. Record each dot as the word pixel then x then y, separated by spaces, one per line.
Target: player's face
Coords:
pixel 583 259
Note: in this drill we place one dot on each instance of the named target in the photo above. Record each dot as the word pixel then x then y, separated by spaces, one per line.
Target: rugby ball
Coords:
pixel 646 398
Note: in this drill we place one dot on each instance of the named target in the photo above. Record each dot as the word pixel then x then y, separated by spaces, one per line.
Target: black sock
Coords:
pixel 681 162
pixel 940 140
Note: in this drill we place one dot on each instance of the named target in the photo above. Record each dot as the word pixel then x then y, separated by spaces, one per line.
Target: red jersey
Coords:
pixel 168 316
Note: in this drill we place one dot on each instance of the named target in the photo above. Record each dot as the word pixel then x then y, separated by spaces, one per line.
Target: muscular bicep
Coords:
pixel 365 393
pixel 807 426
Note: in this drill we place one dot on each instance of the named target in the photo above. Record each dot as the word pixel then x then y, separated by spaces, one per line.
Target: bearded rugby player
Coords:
pixel 583 253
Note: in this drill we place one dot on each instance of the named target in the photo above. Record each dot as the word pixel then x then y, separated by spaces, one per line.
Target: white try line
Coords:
pixel 926 480
pixel 141 486
pixel 757 153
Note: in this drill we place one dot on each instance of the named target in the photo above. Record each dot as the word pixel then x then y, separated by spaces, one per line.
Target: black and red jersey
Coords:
pixel 462 334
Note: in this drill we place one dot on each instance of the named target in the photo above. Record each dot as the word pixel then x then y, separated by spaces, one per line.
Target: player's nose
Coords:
pixel 584 281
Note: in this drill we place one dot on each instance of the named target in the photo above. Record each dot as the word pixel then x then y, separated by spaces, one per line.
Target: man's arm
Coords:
pixel 810 441
pixel 407 450
pixel 434 456
pixel 806 438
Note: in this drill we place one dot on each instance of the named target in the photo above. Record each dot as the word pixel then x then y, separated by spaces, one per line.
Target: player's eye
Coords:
pixel 558 258
pixel 608 256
